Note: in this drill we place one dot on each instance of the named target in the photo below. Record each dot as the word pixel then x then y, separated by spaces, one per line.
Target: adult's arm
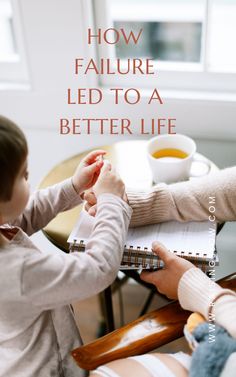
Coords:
pixel 198 293
pixel 186 201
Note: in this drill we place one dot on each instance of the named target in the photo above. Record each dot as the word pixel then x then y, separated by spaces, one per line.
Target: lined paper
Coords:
pixel 191 238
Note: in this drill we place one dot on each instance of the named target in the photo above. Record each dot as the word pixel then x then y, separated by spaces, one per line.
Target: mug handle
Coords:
pixel 199 159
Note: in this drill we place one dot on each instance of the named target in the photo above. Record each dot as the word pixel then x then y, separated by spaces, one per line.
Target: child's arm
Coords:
pixel 50 280
pixel 45 204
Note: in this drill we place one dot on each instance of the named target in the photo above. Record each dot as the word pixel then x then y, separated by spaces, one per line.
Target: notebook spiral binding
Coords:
pixel 138 258
pixel 75 246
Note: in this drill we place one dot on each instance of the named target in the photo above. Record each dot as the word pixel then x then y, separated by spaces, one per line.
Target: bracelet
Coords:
pixel 220 294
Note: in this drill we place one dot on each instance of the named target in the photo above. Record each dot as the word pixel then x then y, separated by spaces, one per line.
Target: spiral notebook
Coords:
pixel 194 241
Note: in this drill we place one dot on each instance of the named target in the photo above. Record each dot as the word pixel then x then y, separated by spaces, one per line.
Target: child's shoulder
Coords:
pixel 12 259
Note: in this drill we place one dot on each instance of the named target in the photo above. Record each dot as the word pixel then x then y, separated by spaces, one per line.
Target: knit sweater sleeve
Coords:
pixel 198 293
pixel 50 280
pixel 214 194
pixel 45 204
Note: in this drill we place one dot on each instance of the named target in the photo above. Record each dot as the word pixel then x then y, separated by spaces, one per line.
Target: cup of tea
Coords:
pixel 171 157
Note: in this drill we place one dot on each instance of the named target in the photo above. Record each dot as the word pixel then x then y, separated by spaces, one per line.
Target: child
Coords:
pixel 37 327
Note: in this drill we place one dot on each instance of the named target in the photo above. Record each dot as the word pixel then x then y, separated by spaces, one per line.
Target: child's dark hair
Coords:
pixel 13 152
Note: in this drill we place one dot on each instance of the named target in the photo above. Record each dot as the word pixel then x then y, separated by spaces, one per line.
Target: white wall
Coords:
pixel 52 32
pixel 55 34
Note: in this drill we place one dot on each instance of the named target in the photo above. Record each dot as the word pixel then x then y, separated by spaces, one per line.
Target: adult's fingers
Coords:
pixel 162 252
pixel 92 210
pixel 152 277
pixel 90 197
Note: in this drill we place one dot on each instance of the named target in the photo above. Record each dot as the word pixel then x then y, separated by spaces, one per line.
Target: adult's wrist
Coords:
pixel 196 291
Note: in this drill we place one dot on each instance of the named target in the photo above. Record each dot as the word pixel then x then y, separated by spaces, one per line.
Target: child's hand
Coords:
pixel 87 172
pixel 109 182
pixel 167 280
pixel 91 202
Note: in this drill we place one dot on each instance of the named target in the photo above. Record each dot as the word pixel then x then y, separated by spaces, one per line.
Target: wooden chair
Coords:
pixel 143 335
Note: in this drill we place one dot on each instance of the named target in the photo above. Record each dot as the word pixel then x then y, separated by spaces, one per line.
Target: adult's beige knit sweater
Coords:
pixel 213 195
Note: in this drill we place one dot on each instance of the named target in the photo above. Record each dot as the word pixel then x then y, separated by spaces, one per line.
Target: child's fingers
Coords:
pixel 92 156
pixel 106 166
pixel 162 252
pixel 114 171
pixel 93 168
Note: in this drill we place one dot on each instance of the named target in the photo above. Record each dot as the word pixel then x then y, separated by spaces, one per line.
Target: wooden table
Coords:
pixel 129 158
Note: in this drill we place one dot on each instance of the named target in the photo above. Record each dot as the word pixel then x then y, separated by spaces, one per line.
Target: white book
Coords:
pixel 193 240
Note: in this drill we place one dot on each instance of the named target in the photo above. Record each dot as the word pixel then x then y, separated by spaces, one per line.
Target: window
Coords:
pixel 191 41
pixel 12 56
pixel 162 41
pixel 222 32
pixel 7 42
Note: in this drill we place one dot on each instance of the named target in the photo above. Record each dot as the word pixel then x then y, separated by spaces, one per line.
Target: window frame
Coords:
pixel 170 76
pixel 15 71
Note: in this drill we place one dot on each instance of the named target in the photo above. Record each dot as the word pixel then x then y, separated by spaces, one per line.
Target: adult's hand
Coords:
pixel 91 202
pixel 167 279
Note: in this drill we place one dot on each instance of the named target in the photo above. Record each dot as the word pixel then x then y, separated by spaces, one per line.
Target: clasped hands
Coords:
pixel 93 172
pixel 98 177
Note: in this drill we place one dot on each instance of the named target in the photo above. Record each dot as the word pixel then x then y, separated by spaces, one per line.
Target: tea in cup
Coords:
pixel 171 157
pixel 169 154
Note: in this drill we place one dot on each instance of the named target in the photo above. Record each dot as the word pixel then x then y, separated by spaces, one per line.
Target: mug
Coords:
pixel 175 166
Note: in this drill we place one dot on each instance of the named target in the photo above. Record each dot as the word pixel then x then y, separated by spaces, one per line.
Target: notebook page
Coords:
pixel 83 228
pixel 191 237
